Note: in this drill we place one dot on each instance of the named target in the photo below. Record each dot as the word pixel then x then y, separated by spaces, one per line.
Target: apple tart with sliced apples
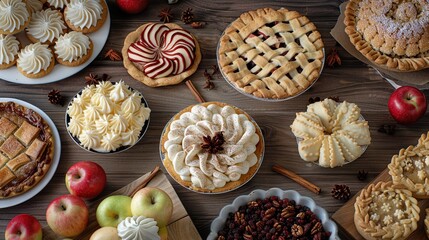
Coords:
pixel 410 168
pixel 331 134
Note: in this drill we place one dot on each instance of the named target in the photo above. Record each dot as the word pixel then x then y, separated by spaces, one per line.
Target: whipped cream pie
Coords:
pixel 73 49
pixel 107 116
pixel 46 26
pixel 14 16
pixel 35 5
pixel 85 15
pixel 161 54
pixel 212 147
pixel 9 47
pixel 35 60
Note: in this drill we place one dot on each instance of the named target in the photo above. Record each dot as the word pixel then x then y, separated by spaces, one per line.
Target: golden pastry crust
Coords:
pixel 385 211
pixel 370 30
pixel 230 185
pixel 137 74
pixel 272 54
pixel 410 168
pixel 95 28
pixel 38 166
pixel 79 61
pixel 42 73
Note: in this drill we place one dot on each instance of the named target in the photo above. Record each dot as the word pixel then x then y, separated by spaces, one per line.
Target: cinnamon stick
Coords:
pixel 295 177
pixel 194 91
pixel 146 181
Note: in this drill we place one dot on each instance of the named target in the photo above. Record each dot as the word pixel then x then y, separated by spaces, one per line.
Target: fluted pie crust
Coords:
pixel 137 74
pixel 26 149
pixel 408 51
pixel 410 168
pixel 229 185
pixel 385 211
pixel 272 54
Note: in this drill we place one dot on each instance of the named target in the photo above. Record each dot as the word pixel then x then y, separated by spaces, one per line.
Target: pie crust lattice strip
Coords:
pixel 271 54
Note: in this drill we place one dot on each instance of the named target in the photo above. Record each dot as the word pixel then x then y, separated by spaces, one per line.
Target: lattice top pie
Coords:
pixel 391 33
pixel 26 149
pixel 271 53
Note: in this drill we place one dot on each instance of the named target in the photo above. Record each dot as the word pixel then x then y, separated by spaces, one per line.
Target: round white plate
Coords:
pixel 242 200
pixel 59 72
pixel 8 202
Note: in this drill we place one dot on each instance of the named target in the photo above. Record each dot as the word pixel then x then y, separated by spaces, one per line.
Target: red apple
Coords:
pixel 407 104
pixel 85 179
pixel 67 215
pixel 132 6
pixel 23 227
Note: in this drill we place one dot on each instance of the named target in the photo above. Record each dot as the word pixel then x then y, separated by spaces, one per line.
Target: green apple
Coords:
pixel 105 233
pixel 112 210
pixel 152 203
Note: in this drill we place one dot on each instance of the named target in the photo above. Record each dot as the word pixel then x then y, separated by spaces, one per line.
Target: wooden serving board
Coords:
pixel 344 216
pixel 180 226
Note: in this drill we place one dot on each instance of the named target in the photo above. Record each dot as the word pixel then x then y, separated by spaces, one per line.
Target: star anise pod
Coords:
pixel 165 15
pixel 92 79
pixel 215 69
pixel 213 145
pixel 54 96
pixel 341 192
pixel 362 175
pixel 333 58
pixel 197 25
pixel 187 16
pixel 387 129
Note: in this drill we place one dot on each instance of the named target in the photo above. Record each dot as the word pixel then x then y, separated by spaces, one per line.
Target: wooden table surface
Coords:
pixel 353 81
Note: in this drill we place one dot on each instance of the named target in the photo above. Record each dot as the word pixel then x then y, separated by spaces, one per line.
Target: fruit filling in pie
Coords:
pixel 26 149
pixel 271 53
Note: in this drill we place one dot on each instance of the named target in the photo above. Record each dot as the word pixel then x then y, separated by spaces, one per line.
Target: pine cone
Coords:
pixel 55 97
pixel 187 16
pixel 341 192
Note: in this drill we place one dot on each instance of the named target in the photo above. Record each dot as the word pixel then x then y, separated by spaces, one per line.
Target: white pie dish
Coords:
pixel 218 222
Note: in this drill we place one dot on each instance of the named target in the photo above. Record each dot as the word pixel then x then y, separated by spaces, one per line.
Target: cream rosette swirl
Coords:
pixel 163 52
pixel 34 58
pixel 9 47
pixel 34 5
pixel 106 117
pixel 211 146
pixel 137 228
pixel 84 13
pixel 13 15
pixel 46 25
pixel 72 46
pixel 59 4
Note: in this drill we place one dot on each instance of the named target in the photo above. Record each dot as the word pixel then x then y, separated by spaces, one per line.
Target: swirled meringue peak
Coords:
pixel 59 4
pixel 138 228
pixel 163 52
pixel 84 13
pixel 13 15
pixel 108 116
pixel 35 58
pixel 46 25
pixel 9 47
pixel 72 46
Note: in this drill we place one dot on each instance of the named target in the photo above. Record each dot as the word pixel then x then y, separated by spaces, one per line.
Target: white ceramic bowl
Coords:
pixel 242 200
